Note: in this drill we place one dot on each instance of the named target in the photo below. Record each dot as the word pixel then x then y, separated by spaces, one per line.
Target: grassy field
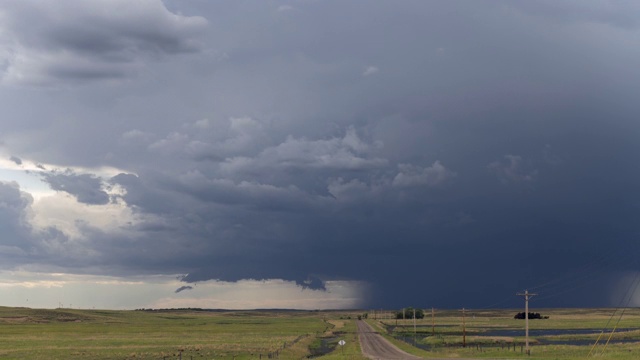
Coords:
pixel 101 334
pixel 567 334
pixel 96 334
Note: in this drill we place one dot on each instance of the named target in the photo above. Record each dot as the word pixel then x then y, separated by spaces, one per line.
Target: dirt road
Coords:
pixel 374 346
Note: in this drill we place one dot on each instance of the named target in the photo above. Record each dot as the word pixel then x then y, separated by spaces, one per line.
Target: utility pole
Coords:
pixel 414 326
pixel 433 323
pixel 464 330
pixel 527 295
pixel 414 321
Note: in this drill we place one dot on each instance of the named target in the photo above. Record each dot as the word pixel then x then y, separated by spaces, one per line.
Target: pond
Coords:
pixel 548 332
pixel 543 336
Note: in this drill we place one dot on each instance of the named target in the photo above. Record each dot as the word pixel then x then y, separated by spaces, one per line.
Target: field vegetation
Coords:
pixel 194 334
pixel 102 334
pixel 566 334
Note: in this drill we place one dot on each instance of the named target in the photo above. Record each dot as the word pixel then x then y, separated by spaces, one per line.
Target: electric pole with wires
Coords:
pixel 526 296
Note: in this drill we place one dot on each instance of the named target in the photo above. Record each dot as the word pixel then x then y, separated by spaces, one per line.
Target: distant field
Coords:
pixel 567 334
pixel 40 334
pixel 96 334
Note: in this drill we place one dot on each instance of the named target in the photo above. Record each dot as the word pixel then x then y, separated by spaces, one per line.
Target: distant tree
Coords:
pixel 532 315
pixel 408 313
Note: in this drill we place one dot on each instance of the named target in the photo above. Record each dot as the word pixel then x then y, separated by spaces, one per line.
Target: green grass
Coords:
pixel 351 350
pixel 101 334
pixel 448 338
pixel 88 334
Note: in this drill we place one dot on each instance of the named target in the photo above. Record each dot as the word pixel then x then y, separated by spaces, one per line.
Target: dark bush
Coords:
pixel 532 315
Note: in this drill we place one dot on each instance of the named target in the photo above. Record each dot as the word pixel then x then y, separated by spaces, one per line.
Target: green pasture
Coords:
pixel 98 334
pixel 104 334
pixel 445 339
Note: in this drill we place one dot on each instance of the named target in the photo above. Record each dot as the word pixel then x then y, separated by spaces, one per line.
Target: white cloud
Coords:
pixel 50 290
pixel 202 124
pixel 348 152
pixel 284 8
pixel 251 294
pixel 412 175
pixel 173 143
pixel 136 135
pixel 370 70
pixel 65 213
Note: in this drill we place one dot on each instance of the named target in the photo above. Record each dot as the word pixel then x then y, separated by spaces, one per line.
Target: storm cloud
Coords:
pixel 46 43
pixel 445 153
pixel 85 187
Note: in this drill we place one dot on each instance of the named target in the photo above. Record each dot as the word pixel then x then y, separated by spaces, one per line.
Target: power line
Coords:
pixel 527 295
pixel 631 290
pixel 585 274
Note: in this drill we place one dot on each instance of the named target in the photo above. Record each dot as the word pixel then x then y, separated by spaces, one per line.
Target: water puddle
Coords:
pixel 548 332
pixel 327 345
pixel 541 336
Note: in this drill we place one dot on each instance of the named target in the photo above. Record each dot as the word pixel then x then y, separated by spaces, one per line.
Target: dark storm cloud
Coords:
pixel 21 244
pixel 88 189
pixel 13 219
pixel 48 42
pixel 447 153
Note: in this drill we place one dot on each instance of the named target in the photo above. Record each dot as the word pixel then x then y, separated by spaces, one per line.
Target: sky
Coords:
pixel 319 154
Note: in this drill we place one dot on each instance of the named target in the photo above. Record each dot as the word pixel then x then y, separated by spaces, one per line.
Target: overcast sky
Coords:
pixel 319 154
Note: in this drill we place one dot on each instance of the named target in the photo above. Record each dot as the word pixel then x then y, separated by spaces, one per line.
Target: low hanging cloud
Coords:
pixel 183 288
pixel 312 283
pixel 74 41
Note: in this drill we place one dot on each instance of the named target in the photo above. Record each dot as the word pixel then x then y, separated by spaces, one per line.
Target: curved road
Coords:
pixel 375 347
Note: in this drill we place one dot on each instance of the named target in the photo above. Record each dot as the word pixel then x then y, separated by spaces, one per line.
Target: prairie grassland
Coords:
pixel 99 334
pixel 566 334
pixel 102 334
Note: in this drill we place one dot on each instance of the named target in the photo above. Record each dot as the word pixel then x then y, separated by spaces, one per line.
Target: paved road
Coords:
pixel 375 347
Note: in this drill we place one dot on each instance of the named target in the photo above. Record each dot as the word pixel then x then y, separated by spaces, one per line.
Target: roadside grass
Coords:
pixel 351 350
pixel 40 334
